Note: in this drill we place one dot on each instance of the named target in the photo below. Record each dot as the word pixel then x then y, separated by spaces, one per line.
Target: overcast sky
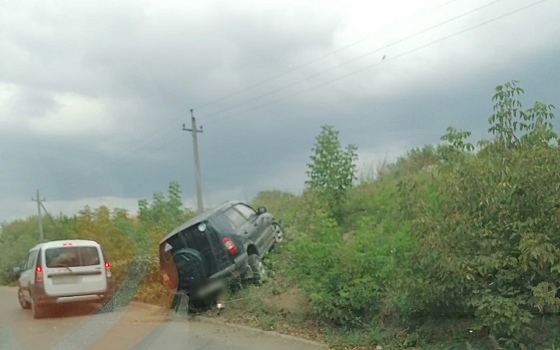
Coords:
pixel 93 94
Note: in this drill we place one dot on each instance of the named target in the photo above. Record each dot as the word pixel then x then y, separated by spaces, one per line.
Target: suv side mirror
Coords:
pixel 17 270
pixel 261 210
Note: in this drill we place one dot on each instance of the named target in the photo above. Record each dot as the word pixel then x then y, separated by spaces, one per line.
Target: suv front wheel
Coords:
pixel 257 266
pixel 278 233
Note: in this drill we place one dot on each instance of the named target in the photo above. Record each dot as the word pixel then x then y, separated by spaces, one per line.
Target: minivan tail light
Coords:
pixel 230 246
pixel 38 274
pixel 107 269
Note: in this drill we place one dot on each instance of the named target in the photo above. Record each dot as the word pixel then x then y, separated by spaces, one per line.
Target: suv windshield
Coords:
pixel 72 256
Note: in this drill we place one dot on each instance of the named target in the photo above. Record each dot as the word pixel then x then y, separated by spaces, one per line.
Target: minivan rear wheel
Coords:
pixel 21 298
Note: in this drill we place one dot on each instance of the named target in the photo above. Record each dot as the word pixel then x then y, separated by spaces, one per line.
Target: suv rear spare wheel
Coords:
pixel 191 268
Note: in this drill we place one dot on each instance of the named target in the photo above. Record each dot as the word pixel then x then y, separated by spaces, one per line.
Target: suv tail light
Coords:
pixel 166 278
pixel 230 246
pixel 108 269
pixel 38 274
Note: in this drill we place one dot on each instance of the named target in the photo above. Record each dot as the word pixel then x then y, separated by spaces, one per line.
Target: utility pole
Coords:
pixel 39 205
pixel 194 131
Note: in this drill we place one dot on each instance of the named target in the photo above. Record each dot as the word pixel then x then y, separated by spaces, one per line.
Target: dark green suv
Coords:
pixel 203 255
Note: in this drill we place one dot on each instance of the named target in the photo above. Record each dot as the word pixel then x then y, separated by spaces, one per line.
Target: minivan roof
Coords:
pixel 199 218
pixel 62 242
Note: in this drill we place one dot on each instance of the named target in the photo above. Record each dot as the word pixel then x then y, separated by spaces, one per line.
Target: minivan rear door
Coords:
pixel 74 270
pixel 28 272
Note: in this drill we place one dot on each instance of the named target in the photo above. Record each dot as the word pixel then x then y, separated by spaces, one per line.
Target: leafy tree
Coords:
pixel 164 213
pixel 332 170
pixel 17 238
pixel 509 119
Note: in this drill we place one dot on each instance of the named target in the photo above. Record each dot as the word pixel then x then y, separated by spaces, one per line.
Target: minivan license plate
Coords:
pixel 66 279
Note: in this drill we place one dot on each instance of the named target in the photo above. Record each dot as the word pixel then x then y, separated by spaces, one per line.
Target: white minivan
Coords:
pixel 63 271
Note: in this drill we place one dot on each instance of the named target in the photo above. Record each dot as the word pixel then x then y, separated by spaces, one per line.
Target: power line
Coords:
pixel 161 132
pixel 305 64
pixel 51 219
pixel 157 135
pixel 357 57
pixel 387 59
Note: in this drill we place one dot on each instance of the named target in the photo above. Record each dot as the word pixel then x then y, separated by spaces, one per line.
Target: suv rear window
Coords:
pixel 72 256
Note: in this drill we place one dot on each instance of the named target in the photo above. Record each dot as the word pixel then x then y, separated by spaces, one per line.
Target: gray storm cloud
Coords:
pixel 93 98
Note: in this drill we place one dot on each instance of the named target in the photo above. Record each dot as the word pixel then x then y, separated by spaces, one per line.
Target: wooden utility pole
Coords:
pixel 39 205
pixel 194 131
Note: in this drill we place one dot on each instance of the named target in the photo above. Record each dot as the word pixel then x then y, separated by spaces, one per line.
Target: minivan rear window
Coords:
pixel 72 256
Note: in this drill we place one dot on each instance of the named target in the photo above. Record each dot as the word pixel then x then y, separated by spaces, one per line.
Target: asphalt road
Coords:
pixel 135 327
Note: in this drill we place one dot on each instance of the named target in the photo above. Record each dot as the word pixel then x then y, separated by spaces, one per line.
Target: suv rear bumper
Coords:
pixel 202 288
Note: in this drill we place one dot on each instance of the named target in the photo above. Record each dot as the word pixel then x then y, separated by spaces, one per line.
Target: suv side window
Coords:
pixel 247 212
pixel 222 223
pixel 236 218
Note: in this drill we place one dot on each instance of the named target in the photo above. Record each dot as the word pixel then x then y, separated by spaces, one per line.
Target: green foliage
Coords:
pixel 416 160
pixel 160 217
pixel 350 277
pixel 164 213
pixel 17 238
pixel 453 232
pixel 281 204
pixel 332 170
pixel 489 241
pixel 114 231
pixel 509 118
pixel 318 259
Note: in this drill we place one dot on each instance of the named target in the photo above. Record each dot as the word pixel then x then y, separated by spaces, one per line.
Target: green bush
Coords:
pixel 453 231
pixel 351 278
pixel 489 241
pixel 17 238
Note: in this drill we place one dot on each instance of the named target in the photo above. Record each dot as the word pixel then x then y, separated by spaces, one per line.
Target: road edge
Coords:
pixel 210 320
pixel 218 322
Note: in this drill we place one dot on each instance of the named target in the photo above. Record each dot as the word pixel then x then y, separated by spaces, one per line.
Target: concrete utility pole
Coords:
pixel 39 205
pixel 194 131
